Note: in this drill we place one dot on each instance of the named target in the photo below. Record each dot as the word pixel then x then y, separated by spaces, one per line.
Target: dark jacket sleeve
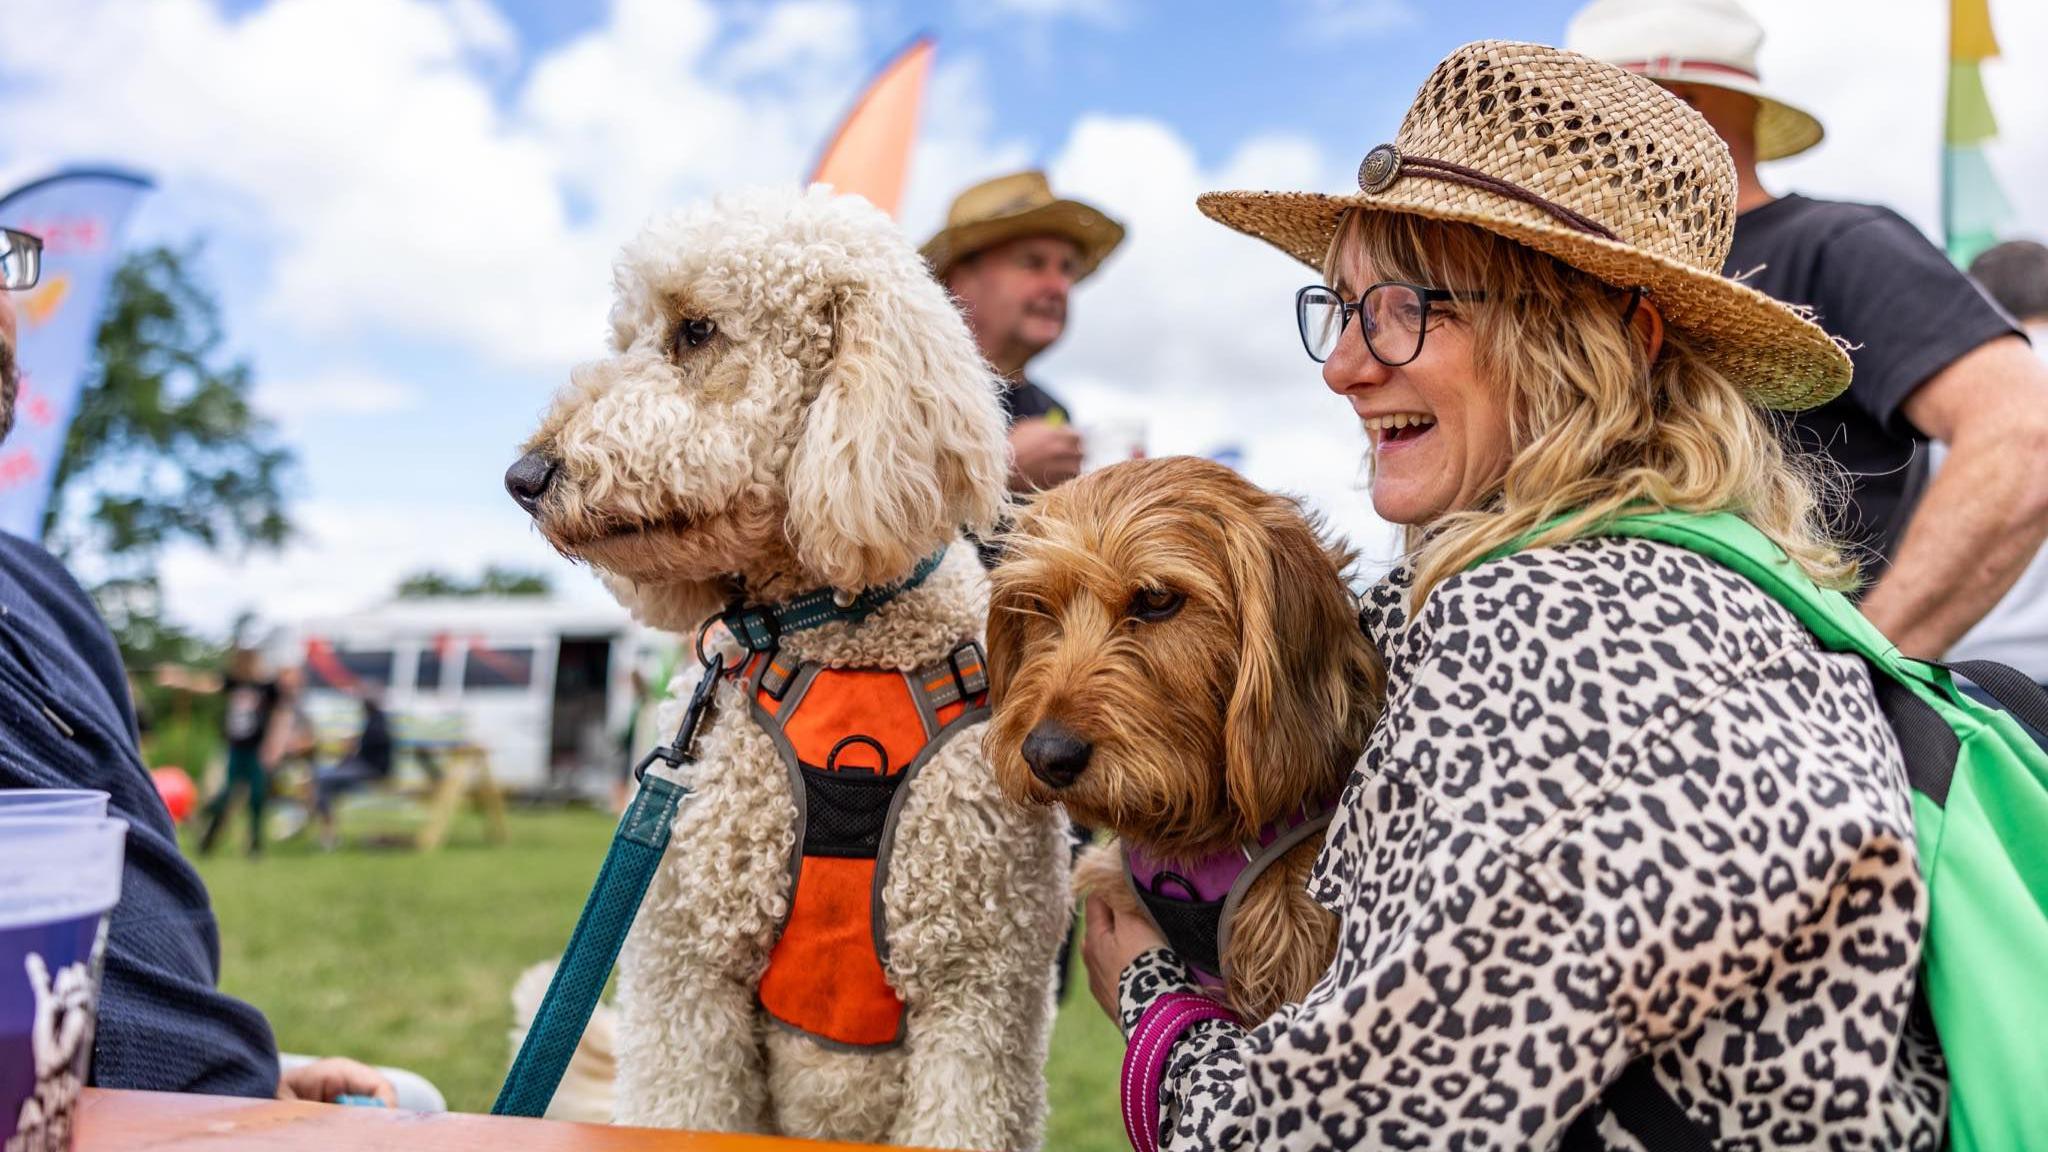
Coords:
pixel 66 722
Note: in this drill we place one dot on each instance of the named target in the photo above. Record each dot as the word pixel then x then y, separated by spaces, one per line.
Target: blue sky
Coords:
pixel 409 206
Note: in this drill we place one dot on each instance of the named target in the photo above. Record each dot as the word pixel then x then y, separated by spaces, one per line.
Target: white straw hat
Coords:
pixel 1592 165
pixel 1710 42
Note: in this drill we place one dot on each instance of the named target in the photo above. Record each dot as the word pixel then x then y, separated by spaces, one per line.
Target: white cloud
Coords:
pixel 1189 326
pixel 484 31
pixel 1325 22
pixel 364 141
pixel 795 34
pixel 348 392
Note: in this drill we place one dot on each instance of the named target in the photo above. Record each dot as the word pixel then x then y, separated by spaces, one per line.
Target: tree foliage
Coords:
pixel 166 446
pixel 495 581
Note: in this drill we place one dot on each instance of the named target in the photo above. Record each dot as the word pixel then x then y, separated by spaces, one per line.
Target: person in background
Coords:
pixel 164 1025
pixel 2015 633
pixel 1010 253
pixel 255 727
pixel 1935 360
pixel 366 761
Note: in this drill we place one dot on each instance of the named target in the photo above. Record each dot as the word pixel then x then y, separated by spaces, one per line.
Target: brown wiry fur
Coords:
pixel 1253 699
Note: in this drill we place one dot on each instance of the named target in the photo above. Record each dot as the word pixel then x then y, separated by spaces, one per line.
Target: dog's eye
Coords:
pixel 1156 603
pixel 693 334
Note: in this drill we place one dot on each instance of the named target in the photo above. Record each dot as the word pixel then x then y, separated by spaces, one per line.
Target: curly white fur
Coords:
pixel 838 426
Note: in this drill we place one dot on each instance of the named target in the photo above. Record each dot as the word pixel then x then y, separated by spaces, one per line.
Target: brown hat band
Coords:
pixel 1385 164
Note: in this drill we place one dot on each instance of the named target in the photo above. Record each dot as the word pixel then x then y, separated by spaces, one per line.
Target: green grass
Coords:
pixel 399 958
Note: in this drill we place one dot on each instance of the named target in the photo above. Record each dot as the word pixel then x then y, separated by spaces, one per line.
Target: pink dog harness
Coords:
pixel 1193 904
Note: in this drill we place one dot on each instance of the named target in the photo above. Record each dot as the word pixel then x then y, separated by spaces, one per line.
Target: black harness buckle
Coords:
pixel 682 750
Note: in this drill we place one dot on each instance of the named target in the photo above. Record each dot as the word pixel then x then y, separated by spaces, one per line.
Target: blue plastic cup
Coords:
pixel 47 803
pixel 59 878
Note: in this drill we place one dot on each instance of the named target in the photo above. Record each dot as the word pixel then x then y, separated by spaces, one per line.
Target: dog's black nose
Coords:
pixel 528 479
pixel 1055 754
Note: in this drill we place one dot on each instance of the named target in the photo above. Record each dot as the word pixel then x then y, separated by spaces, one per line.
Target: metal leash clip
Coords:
pixel 679 751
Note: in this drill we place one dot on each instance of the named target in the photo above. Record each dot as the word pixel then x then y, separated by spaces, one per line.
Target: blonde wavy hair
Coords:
pixel 1594 428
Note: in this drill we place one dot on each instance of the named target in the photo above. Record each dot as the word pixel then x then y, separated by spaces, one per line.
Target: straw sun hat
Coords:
pixel 1593 165
pixel 1020 204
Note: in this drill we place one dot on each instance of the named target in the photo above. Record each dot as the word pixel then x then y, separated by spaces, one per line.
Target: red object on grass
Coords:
pixel 177 791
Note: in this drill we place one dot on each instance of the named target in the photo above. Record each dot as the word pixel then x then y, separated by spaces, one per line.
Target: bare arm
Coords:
pixel 278 739
pixel 188 679
pixel 1986 513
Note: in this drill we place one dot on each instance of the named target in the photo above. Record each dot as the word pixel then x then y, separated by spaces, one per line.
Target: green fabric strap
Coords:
pixel 608 914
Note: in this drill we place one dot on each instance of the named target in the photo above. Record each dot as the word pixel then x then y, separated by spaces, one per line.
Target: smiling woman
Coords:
pixel 1531 388
pixel 1590 867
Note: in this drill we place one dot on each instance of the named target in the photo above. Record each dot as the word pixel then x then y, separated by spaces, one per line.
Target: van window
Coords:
pixel 347 669
pixel 428 677
pixel 489 667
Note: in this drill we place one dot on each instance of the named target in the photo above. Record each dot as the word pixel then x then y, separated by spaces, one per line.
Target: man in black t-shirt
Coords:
pixel 1934 359
pixel 1009 253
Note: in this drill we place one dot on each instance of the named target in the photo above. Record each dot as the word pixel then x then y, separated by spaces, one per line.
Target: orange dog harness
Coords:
pixel 854 740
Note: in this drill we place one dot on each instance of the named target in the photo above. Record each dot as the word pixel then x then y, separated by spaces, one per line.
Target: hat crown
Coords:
pixel 1636 33
pixel 1604 143
pixel 1009 195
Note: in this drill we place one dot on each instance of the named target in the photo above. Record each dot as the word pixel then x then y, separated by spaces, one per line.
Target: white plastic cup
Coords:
pixel 48 803
pixel 1106 442
pixel 59 878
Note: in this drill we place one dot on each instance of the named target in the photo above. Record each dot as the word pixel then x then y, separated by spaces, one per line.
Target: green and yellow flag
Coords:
pixel 1973 208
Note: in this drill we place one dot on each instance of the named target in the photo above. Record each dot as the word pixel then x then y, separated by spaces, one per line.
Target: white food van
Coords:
pixel 542 685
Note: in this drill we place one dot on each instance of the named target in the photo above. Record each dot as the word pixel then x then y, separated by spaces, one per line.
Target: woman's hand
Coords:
pixel 1109 945
pixel 330 1079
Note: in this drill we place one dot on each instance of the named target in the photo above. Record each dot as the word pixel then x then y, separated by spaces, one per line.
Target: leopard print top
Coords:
pixel 1620 803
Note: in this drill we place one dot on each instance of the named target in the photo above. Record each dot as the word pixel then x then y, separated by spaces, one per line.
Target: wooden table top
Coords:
pixel 118 1121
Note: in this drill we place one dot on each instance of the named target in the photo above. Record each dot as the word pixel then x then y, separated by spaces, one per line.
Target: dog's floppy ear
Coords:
pixel 1300 708
pixel 1006 601
pixel 904 444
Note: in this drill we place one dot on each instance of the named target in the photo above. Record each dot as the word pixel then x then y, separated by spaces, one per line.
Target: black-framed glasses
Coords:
pixel 21 259
pixel 1395 314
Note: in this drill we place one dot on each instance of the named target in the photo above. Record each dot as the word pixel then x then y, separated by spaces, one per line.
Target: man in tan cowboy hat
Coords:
pixel 1010 252
pixel 1935 361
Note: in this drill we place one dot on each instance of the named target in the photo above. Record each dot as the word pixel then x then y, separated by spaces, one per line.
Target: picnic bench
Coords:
pixel 113 1120
pixel 462 771
pixel 454 769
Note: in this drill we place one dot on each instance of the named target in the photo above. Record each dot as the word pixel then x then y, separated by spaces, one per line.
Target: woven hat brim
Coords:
pixel 1778 357
pixel 1094 233
pixel 1782 130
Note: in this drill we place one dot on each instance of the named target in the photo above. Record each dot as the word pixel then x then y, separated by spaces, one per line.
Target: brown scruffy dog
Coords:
pixel 1175 656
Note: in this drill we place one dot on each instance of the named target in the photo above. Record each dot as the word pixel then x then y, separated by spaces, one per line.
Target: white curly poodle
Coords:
pixel 791 403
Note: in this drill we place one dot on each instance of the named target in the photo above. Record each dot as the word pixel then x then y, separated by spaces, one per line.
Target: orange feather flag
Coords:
pixel 870 153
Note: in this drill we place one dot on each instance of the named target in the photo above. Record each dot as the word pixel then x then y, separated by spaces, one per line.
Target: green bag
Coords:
pixel 1980 815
